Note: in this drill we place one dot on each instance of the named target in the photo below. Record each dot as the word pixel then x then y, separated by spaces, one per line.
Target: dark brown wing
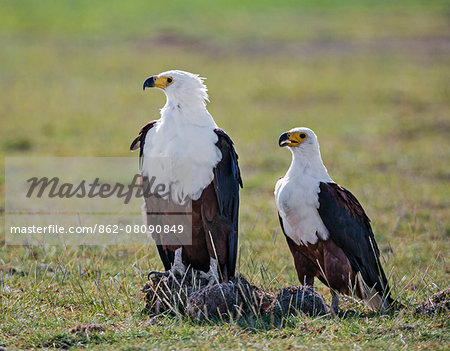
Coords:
pixel 227 179
pixel 350 229
pixel 139 141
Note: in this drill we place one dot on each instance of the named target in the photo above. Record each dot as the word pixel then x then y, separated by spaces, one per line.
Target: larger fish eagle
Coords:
pixel 327 230
pixel 204 169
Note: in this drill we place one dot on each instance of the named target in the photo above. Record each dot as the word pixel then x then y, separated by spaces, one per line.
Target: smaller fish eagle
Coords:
pixel 327 230
pixel 203 168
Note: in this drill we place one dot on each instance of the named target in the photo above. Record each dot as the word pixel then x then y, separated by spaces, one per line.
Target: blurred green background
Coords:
pixel 371 78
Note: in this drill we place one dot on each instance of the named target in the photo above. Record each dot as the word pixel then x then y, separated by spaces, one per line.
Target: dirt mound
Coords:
pixel 437 303
pixel 294 299
pixel 190 295
pixel 237 297
pixel 86 328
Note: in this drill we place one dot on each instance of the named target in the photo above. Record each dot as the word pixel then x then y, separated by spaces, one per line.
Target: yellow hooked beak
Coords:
pixel 292 139
pixel 157 82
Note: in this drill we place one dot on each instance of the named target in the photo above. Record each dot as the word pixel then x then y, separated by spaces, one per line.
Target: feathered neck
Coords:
pixel 188 107
pixel 308 162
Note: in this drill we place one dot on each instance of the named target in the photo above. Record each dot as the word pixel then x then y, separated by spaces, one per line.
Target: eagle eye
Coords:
pixel 169 80
pixel 303 135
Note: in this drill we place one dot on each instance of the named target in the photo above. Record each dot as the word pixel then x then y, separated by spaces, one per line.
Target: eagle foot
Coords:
pixel 177 271
pixel 212 276
pixel 212 280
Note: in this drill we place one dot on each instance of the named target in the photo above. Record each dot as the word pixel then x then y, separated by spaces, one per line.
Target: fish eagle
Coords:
pixel 203 169
pixel 327 230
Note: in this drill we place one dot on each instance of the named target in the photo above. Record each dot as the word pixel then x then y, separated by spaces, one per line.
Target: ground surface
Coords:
pixel 371 78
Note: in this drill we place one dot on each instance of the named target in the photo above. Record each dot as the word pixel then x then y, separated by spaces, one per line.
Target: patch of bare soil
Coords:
pixel 431 46
pixel 86 328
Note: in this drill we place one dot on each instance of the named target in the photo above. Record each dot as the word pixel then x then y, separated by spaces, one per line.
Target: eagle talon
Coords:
pixel 212 276
pixel 156 273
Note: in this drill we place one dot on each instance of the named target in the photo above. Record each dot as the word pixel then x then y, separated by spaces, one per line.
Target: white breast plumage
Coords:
pixel 181 157
pixel 297 201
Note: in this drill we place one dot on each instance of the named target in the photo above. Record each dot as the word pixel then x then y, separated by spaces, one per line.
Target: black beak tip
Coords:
pixel 283 140
pixel 149 83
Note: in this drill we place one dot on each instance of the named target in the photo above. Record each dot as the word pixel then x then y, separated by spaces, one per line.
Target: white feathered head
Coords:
pixel 180 86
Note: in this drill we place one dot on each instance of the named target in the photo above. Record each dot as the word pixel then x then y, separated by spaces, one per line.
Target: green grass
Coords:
pixel 370 78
